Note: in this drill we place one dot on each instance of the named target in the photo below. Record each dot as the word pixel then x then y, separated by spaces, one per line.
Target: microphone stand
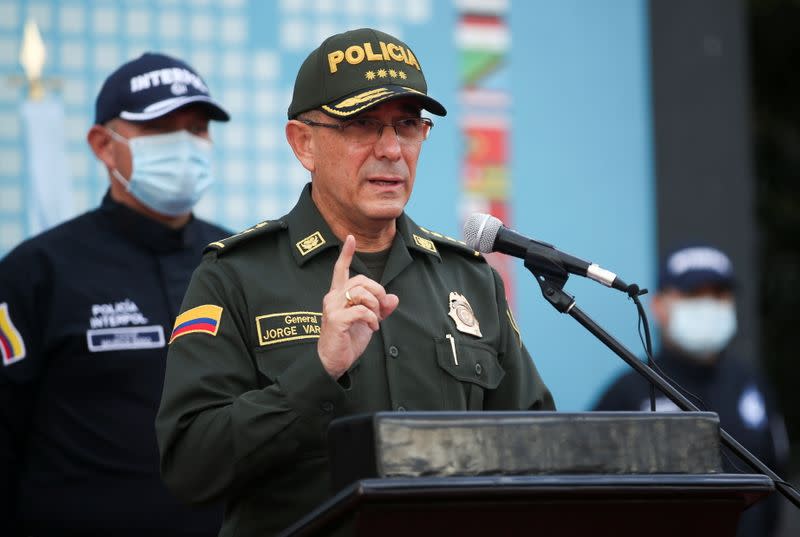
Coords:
pixel 551 276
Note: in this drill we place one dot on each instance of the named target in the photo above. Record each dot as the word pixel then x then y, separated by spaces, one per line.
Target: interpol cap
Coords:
pixel 691 267
pixel 151 86
pixel 356 70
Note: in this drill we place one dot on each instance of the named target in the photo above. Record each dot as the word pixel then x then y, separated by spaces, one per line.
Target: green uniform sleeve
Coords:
pixel 224 421
pixel 522 388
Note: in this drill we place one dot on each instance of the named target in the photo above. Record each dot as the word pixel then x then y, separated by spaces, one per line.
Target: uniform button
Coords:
pixel 401 408
pixel 478 369
pixel 394 351
pixel 327 406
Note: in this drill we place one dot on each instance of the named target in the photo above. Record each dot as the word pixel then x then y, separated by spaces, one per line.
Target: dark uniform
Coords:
pixel 746 407
pixel 247 402
pixel 85 309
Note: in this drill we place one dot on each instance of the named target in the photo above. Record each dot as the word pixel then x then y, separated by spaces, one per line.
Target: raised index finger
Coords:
pixel 341 270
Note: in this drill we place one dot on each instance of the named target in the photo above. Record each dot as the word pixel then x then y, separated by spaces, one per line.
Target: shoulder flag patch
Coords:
pixel 204 319
pixel 11 345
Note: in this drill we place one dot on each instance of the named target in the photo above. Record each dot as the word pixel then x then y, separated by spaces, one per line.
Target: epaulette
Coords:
pixel 459 246
pixel 225 245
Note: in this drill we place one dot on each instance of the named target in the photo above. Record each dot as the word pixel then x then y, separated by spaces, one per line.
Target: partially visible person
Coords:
pixel 343 306
pixel 695 309
pixel 84 309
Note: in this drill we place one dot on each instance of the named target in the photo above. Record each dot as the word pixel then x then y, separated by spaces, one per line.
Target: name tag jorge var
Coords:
pixel 288 326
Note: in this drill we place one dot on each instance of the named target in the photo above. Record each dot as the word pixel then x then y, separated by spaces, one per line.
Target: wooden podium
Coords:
pixel 526 473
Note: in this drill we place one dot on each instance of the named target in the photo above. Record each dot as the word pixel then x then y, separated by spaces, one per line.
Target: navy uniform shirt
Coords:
pixel 85 309
pixel 744 401
pixel 247 402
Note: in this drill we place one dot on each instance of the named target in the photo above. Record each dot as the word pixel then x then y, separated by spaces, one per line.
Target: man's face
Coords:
pixel 116 154
pixel 193 119
pixel 665 299
pixel 359 184
pixel 699 323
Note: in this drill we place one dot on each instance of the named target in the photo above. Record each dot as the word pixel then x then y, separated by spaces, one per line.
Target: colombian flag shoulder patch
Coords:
pixel 12 347
pixel 203 319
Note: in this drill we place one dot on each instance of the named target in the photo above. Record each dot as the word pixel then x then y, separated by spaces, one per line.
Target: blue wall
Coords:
pixel 583 175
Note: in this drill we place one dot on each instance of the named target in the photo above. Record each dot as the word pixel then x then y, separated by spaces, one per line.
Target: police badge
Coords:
pixel 461 313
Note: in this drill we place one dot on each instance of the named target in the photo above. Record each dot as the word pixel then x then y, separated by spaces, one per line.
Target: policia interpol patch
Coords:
pixel 288 326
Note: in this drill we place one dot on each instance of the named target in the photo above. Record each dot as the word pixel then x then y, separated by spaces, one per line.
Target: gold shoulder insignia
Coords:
pixel 224 245
pixel 456 244
pixel 514 326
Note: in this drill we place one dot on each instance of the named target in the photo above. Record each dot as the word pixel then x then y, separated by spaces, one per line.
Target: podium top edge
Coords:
pixel 522 415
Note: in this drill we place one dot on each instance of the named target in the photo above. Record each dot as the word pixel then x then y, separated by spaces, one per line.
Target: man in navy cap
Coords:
pixel 695 309
pixel 84 309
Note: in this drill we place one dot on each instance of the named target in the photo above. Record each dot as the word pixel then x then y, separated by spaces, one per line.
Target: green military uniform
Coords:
pixel 247 403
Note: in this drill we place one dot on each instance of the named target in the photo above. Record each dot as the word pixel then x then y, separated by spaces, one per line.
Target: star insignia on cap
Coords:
pixel 382 73
pixel 401 74
pixel 392 73
pixel 369 75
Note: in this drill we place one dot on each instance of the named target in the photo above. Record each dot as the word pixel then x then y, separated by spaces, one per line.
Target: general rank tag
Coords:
pixel 461 313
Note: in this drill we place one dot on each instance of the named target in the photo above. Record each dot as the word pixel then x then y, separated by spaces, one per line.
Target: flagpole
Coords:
pixel 48 187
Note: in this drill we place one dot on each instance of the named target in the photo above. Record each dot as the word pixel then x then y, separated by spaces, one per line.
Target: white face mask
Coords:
pixel 701 326
pixel 170 171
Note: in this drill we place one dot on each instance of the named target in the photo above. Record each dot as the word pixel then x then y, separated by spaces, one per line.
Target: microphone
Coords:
pixel 485 233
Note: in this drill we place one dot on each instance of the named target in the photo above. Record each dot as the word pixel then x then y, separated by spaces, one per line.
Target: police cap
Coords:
pixel 356 70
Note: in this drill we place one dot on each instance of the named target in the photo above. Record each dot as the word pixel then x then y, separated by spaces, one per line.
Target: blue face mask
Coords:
pixel 171 171
pixel 702 327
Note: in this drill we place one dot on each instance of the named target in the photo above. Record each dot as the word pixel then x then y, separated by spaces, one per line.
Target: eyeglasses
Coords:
pixel 367 130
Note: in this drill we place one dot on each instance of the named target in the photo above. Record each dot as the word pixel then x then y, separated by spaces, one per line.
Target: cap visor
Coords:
pixel 162 108
pixel 689 283
pixel 363 100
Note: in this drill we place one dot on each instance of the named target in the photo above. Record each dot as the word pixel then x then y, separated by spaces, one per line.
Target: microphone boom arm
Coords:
pixel 551 277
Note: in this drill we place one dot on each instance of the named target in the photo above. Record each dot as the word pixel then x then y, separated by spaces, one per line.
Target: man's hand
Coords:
pixel 351 311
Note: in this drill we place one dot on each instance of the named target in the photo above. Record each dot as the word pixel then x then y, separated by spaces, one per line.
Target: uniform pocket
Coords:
pixel 469 368
pixel 273 361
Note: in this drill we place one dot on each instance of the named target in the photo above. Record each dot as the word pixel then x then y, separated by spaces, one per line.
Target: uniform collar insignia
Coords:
pixel 310 243
pixel 308 232
pixel 415 237
pixel 461 312
pixel 427 244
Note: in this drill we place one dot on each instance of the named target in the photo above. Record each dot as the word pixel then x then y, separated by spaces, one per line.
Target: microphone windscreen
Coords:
pixel 480 232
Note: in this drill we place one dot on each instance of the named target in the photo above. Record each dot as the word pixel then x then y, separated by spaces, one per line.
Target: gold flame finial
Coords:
pixel 32 56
